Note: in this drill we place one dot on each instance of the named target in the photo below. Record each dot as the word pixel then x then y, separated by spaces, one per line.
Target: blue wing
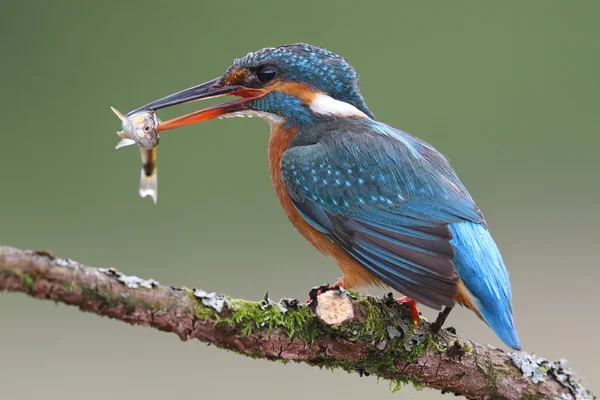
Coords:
pixel 387 199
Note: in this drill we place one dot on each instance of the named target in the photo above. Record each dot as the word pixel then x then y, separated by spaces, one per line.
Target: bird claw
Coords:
pixel 441 318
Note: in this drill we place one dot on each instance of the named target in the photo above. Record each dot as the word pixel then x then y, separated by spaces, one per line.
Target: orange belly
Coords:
pixel 354 275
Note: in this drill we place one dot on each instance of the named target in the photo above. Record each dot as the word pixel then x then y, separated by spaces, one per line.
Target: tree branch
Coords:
pixel 339 330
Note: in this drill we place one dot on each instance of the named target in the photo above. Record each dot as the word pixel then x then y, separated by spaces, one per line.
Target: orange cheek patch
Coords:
pixel 296 89
pixel 236 76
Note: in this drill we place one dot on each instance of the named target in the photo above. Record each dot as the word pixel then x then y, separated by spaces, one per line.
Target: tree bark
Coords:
pixel 337 330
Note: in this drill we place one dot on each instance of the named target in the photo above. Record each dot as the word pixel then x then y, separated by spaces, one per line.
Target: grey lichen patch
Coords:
pixel 66 262
pixel 132 282
pixel 414 341
pixel 393 332
pixel 201 312
pixel 288 304
pixel 531 366
pixel 283 304
pixel 212 300
pixel 538 369
pixel 564 375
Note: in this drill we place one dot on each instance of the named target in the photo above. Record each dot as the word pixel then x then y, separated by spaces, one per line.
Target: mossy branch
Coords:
pixel 358 334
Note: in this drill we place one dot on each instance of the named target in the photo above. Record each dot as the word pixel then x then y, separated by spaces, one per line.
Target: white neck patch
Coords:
pixel 326 105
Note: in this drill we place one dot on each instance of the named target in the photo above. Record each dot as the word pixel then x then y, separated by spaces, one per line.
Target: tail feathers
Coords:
pixel 480 266
pixel 149 185
pixel 503 325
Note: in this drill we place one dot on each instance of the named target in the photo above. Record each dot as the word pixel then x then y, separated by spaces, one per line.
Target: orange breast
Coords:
pixel 354 275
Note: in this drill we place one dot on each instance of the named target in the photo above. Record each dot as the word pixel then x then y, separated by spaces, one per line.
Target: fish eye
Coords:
pixel 266 73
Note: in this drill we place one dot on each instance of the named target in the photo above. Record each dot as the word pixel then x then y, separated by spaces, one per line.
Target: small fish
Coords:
pixel 141 129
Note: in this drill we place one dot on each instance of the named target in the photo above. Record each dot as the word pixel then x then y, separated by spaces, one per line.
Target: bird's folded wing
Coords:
pixel 385 205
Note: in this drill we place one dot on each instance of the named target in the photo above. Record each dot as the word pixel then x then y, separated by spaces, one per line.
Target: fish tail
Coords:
pixel 481 269
pixel 149 175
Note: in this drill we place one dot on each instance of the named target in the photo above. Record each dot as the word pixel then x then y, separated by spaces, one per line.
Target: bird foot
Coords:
pixel 412 307
pixel 441 318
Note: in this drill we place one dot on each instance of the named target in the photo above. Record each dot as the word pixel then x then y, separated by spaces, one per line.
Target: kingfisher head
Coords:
pixel 296 84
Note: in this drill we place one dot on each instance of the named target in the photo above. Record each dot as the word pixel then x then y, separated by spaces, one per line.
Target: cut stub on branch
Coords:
pixel 332 305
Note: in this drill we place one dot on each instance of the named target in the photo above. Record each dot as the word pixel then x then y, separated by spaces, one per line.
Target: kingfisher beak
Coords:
pixel 210 89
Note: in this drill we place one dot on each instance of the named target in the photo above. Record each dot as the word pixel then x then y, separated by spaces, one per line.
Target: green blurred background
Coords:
pixel 507 90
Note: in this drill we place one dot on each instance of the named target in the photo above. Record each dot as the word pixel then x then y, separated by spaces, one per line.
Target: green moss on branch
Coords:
pixel 377 337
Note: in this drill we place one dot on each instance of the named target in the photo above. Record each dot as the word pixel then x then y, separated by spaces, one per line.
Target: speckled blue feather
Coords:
pixel 394 204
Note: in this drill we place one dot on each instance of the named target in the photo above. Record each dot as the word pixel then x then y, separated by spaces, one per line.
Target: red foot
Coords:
pixel 412 306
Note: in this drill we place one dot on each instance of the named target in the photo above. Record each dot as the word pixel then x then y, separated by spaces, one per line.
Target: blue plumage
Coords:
pixel 481 268
pixel 396 206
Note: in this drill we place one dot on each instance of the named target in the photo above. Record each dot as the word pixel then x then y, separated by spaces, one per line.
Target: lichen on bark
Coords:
pixel 377 336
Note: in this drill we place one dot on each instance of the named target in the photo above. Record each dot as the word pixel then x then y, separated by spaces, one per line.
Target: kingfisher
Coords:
pixel 386 206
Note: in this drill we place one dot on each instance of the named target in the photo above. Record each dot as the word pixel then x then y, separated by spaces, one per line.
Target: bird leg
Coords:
pixel 441 318
pixel 412 306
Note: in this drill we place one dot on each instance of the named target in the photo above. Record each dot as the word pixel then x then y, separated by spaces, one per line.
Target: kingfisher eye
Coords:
pixel 266 73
